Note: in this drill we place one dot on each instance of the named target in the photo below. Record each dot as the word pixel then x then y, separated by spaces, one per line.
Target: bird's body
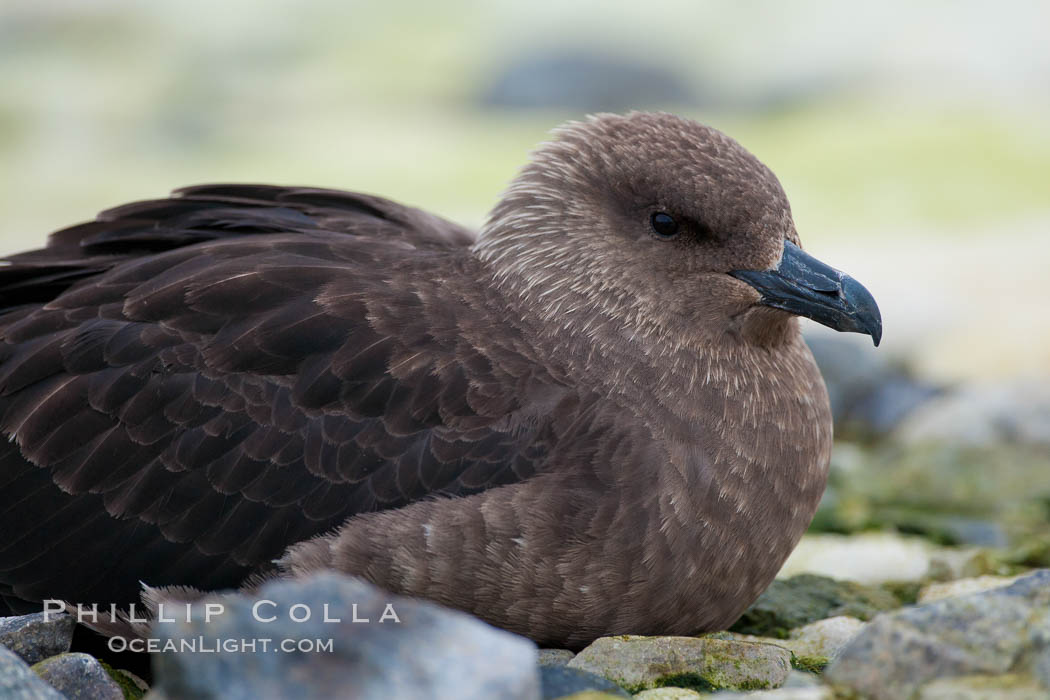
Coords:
pixel 559 427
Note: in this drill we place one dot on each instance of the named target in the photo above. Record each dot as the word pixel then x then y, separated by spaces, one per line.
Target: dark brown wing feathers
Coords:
pixel 208 213
pixel 194 384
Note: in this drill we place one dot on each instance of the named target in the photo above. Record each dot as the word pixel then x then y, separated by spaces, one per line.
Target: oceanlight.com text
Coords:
pixel 211 645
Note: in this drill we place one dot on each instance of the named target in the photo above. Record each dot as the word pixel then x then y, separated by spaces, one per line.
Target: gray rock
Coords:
pixel 407 648
pixel 36 637
pixel 954 563
pixel 813 645
pixel 1041 662
pixel 555 657
pixel 561 681
pixel 1006 687
pixel 802 679
pixel 18 682
pixel 637 663
pixel 667 694
pixel 807 693
pixel 966 586
pixel 984 414
pixel 1006 630
pixel 78 676
pixel 870 395
pixel 826 638
pixel 575 80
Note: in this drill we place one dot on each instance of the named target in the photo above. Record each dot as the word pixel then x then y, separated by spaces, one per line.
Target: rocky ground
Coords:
pixel 926 574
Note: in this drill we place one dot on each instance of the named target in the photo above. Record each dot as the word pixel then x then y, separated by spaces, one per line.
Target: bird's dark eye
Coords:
pixel 664 224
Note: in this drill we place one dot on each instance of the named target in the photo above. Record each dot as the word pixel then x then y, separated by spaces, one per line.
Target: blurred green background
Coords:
pixel 912 138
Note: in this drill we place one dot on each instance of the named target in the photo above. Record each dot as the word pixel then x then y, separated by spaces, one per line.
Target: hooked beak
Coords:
pixel 805 286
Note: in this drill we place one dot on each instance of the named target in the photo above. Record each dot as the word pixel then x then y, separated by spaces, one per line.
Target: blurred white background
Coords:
pixel 912 138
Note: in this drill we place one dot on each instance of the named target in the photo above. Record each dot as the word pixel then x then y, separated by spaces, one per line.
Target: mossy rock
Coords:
pixel 132 686
pixel 810 664
pixel 702 664
pixel 806 598
pixel 1031 551
pixel 78 675
pixel 906 592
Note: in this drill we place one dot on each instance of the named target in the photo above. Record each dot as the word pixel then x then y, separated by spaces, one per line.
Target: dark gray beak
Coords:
pixel 805 286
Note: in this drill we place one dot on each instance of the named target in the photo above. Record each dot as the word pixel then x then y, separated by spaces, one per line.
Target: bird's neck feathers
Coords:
pixel 535 252
pixel 524 242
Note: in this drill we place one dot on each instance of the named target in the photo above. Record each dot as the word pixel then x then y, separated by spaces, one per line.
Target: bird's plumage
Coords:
pixel 566 427
pixel 233 395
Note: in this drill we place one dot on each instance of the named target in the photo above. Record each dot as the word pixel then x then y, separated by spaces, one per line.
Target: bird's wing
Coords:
pixel 207 213
pixel 183 416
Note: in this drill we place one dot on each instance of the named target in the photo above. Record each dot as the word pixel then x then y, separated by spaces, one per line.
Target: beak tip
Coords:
pixel 875 330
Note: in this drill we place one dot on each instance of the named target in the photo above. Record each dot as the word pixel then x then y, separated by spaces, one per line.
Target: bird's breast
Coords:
pixel 747 459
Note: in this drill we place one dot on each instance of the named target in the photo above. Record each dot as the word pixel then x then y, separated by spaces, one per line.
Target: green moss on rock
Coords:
pixel 690 681
pixel 1032 550
pixel 906 592
pixel 949 494
pixel 131 689
pixel 700 682
pixel 809 664
pixel 806 598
